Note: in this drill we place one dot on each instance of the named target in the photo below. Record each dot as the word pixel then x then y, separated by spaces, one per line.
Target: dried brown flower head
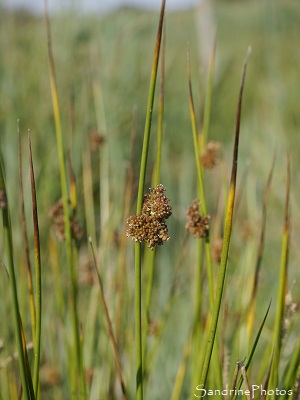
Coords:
pixel 210 157
pixel 197 225
pixel 217 247
pixel 56 213
pixel 153 328
pixel 150 226
pixel 96 140
pixel 289 312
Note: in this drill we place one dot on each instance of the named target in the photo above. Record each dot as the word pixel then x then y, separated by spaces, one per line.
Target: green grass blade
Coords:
pixel 227 235
pixel 208 97
pixel 25 238
pixel 200 186
pixel 8 243
pixel 282 284
pixel 292 368
pixel 138 311
pixel 67 228
pixel 255 344
pixel 109 326
pixel 252 305
pixel 155 182
pixel 38 285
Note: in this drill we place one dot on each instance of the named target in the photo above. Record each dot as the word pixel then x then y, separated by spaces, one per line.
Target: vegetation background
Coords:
pixel 115 50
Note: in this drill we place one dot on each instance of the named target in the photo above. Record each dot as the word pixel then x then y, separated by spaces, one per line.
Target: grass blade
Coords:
pixel 208 96
pixel 109 325
pixel 282 283
pixel 25 238
pixel 252 304
pixel 255 343
pixel 155 182
pixel 67 227
pixel 290 375
pixel 25 374
pixel 138 319
pixel 227 235
pixel 38 284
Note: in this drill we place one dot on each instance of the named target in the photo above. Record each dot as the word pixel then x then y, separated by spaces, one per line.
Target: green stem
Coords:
pixel 25 375
pixel 67 227
pixel 282 286
pixel 138 324
pixel 200 183
pixel 37 346
pixel 227 235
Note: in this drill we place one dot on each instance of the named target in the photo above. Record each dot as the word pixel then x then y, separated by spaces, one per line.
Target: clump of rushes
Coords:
pixel 196 224
pixel 150 226
pixel 209 159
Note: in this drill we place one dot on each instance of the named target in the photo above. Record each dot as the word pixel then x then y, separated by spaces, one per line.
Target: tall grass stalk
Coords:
pixel 227 235
pixel 252 304
pixel 251 353
pixel 155 182
pixel 138 266
pixel 38 279
pixel 67 228
pixel 282 288
pixel 109 326
pixel 25 238
pixel 207 247
pixel 208 97
pixel 200 181
pixel 8 242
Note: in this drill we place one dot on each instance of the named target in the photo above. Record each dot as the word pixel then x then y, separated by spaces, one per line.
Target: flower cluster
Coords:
pixel 209 158
pixel 150 226
pixel 56 213
pixel 197 225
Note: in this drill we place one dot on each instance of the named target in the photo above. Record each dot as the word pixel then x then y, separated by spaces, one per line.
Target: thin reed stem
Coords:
pixel 25 238
pixel 109 325
pixel 227 235
pixel 38 280
pixel 67 227
pixel 8 243
pixel 138 267
pixel 281 297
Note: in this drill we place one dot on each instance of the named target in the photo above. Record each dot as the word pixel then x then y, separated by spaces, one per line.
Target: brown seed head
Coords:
pixel 210 157
pixel 150 226
pixel 197 225
pixel 56 214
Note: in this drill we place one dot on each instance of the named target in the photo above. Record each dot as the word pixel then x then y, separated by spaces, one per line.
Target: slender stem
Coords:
pixel 208 96
pixel 227 235
pixel 109 325
pixel 138 323
pixel 138 274
pixel 200 183
pixel 25 238
pixel 155 182
pixel 282 284
pixel 13 285
pixel 38 287
pixel 67 228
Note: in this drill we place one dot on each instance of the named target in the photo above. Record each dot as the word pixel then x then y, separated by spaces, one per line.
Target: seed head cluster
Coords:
pixel 150 226
pixel 210 157
pixel 197 225
pixel 56 214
